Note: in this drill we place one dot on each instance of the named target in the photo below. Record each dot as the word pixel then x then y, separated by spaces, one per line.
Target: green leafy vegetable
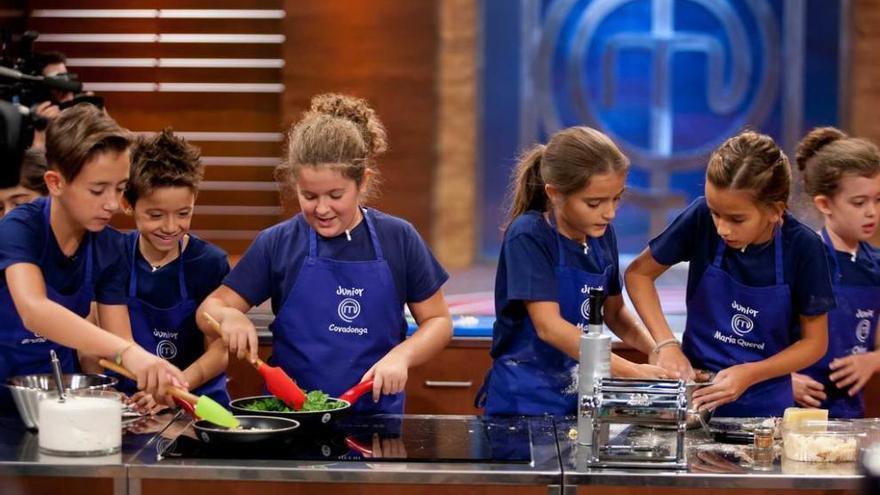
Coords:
pixel 316 400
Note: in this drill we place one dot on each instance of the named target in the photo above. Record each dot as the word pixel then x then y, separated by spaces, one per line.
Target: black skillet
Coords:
pixel 260 431
pixel 309 419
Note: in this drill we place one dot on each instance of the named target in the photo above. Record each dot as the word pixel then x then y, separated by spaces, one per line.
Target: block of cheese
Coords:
pixel 797 415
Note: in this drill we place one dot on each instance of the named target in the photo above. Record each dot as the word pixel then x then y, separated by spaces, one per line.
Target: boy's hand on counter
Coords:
pixel 807 392
pixel 728 386
pixel 389 375
pixel 853 372
pixel 239 334
pixel 671 358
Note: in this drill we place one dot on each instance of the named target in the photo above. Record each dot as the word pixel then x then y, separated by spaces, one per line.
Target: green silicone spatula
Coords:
pixel 205 407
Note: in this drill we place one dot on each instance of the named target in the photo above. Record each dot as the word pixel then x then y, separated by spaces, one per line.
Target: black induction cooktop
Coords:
pixel 383 438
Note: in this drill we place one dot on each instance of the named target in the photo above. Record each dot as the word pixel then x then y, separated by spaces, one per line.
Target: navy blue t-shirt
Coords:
pixel 692 237
pixel 204 266
pixel 272 263
pixel 861 272
pixel 527 270
pixel 23 238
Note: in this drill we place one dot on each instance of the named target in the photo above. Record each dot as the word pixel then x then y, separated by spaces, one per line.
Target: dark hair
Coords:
pixel 567 162
pixel 338 130
pixel 33 167
pixel 163 160
pixel 48 58
pixel 751 162
pixel 78 134
pixel 826 154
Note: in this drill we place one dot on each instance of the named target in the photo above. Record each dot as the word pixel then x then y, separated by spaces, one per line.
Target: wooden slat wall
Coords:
pixel 384 51
pixel 239 197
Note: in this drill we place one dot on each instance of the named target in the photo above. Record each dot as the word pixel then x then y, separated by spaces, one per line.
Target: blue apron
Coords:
pixel 534 378
pixel 852 328
pixel 170 333
pixel 338 319
pixel 23 352
pixel 731 323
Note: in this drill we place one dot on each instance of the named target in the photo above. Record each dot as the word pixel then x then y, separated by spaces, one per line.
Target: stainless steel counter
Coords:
pixel 710 465
pixel 20 455
pixel 556 462
pixel 543 469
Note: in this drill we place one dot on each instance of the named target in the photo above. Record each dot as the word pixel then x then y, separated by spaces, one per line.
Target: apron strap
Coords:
pixel 132 279
pixel 777 248
pixel 88 238
pixel 47 230
pixel 181 278
pixel 556 236
pixel 835 267
pixel 373 237
pixel 90 242
pixel 869 253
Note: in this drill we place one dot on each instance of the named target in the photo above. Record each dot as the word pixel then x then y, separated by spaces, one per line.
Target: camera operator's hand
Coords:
pixel 48 111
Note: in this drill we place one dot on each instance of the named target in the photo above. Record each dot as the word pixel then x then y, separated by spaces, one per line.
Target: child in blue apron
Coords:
pixel 758 289
pixel 842 175
pixel 558 245
pixel 57 256
pixel 172 271
pixel 338 274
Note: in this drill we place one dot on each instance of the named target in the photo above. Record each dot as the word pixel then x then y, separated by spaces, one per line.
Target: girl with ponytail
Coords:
pixel 842 176
pixel 558 244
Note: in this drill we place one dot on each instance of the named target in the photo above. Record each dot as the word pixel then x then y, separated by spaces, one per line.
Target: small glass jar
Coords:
pixel 763 438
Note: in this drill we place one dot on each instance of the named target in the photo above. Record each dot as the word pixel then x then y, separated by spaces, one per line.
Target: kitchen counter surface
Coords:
pixel 535 452
pixel 403 461
pixel 710 464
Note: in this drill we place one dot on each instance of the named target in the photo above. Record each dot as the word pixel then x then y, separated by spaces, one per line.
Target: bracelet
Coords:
pixel 665 343
pixel 118 358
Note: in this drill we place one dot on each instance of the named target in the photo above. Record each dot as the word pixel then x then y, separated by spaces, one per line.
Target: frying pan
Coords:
pixel 256 431
pixel 309 419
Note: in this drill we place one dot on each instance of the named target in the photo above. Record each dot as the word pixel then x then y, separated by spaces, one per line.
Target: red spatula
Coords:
pixel 277 382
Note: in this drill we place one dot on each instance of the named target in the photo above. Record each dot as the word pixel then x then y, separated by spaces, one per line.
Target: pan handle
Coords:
pixel 354 393
pixel 358 446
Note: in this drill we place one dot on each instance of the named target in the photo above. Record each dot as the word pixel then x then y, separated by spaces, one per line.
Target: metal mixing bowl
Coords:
pixel 27 390
pixel 693 416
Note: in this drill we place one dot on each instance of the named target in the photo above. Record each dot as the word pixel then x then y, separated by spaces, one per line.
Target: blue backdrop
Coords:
pixel 667 79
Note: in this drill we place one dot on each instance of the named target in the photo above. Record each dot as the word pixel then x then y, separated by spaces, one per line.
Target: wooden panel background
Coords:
pixel 239 197
pixel 384 51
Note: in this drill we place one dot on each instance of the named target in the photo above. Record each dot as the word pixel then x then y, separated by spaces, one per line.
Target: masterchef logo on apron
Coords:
pixel 742 323
pixel 348 310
